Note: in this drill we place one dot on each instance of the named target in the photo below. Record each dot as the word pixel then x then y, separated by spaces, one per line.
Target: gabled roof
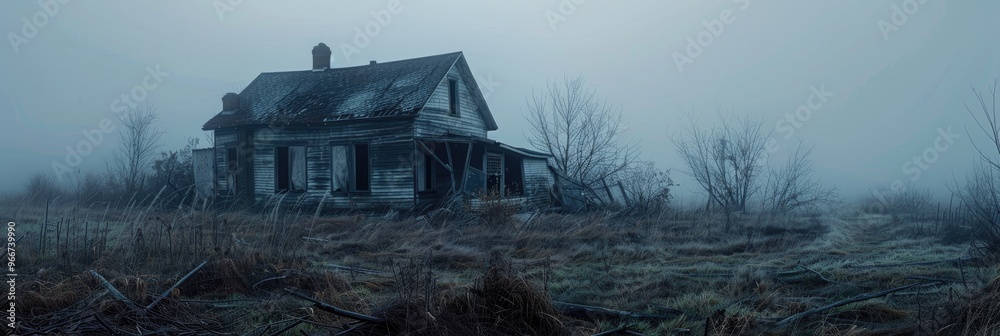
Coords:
pixel 389 89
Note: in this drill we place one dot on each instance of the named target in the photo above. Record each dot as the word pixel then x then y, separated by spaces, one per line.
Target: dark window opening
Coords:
pixel 494 173
pixel 442 178
pixel 361 168
pixel 282 178
pixel 513 176
pixel 453 96
pixel 425 172
pixel 477 157
pixel 289 169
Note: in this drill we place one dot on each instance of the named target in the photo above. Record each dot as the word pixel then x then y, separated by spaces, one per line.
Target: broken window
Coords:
pixel 340 175
pixel 453 96
pixel 232 168
pixel 290 168
pixel 350 168
pixel 494 173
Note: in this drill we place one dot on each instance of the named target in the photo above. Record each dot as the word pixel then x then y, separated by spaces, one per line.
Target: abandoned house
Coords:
pixel 404 135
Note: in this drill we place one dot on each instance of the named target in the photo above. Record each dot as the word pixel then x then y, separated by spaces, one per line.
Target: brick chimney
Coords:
pixel 230 102
pixel 321 57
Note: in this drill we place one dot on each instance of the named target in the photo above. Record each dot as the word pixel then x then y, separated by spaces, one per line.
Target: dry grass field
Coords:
pixel 677 274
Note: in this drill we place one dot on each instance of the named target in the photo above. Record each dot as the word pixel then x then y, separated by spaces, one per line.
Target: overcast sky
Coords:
pixel 889 77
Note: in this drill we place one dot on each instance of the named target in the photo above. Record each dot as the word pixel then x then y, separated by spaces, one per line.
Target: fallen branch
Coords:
pixel 592 313
pixel 796 317
pixel 355 269
pixel 927 278
pixel 317 239
pixel 286 328
pixel 821 277
pixel 179 282
pixel 614 331
pixel 337 311
pixel 668 310
pixel 268 279
pixel 919 263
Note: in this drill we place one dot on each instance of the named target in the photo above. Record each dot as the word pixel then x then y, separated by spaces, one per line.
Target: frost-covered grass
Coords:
pixel 755 272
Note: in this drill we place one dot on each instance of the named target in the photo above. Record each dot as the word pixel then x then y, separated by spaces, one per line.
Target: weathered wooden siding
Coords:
pixel 224 139
pixel 390 149
pixel 435 120
pixel 538 181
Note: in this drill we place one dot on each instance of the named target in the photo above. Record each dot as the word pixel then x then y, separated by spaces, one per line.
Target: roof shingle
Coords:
pixel 398 88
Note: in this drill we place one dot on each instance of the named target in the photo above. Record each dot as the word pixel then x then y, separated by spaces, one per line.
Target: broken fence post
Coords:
pixel 114 291
pixel 179 282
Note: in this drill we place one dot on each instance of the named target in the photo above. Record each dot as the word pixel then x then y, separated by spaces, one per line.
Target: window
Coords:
pixel 232 168
pixel 494 173
pixel 513 176
pixel 350 168
pixel 361 171
pixel 453 96
pixel 289 169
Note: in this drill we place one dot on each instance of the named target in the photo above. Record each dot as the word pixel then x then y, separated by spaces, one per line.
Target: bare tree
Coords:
pixel 580 130
pixel 795 187
pixel 981 195
pixel 138 140
pixel 725 161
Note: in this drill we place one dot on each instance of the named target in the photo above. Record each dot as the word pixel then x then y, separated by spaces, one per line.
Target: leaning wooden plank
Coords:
pixel 599 313
pixel 179 282
pixel 791 319
pixel 341 312
pixel 114 291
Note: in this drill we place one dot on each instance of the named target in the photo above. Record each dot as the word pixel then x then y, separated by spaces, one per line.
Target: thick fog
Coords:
pixel 876 87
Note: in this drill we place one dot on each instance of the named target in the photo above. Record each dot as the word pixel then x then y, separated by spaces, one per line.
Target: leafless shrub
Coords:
pixel 906 201
pixel 41 187
pixel 647 188
pixel 495 210
pixel 794 187
pixel 92 187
